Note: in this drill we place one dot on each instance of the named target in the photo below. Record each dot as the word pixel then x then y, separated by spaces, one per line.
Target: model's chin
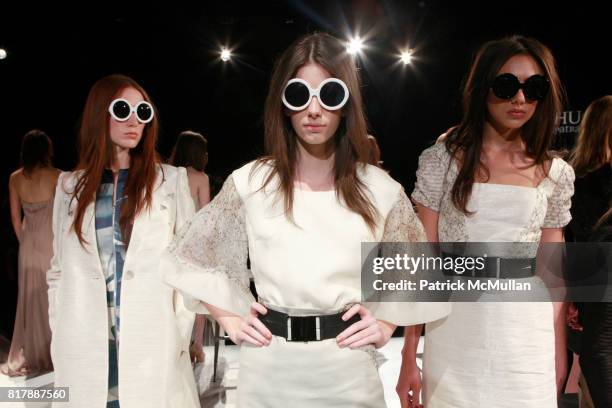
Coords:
pixel 514 123
pixel 509 123
pixel 128 143
pixel 315 137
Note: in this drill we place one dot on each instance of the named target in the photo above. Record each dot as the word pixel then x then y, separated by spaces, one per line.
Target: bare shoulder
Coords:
pixel 442 138
pixel 200 178
pixel 52 173
pixel 203 176
pixel 16 177
pixel 194 174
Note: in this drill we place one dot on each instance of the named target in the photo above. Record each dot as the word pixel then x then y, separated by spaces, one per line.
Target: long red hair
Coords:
pixel 96 154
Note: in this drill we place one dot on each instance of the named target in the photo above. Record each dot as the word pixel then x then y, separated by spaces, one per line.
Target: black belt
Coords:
pixel 306 328
pixel 496 267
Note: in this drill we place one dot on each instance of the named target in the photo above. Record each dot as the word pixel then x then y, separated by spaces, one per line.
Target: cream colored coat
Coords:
pixel 154 366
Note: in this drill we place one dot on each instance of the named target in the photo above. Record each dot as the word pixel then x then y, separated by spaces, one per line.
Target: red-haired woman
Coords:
pixel 120 337
pixel 303 212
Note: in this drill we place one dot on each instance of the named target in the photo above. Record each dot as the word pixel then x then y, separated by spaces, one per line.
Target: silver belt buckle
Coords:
pixel 317 328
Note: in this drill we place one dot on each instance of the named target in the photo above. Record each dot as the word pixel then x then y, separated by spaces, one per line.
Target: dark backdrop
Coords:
pixel 56 52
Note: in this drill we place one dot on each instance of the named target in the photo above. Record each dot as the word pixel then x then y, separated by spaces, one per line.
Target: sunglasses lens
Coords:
pixel 535 88
pixel 144 113
pixel 121 110
pixel 297 94
pixel 505 86
pixel 332 94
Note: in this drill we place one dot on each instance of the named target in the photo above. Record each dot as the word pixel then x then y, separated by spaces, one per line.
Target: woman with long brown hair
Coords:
pixel 191 152
pixel 302 212
pixel 31 189
pixel 592 221
pixel 120 336
pixel 493 178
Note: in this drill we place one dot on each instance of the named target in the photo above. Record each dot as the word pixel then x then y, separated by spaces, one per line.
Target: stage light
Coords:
pixel 354 46
pixel 406 57
pixel 2 53
pixel 226 54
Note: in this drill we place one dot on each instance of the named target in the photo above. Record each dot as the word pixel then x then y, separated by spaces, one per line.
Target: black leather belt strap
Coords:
pixel 496 267
pixel 306 328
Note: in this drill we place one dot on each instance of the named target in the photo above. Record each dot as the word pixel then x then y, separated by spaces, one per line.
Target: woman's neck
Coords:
pixel 121 159
pixel 500 138
pixel 315 167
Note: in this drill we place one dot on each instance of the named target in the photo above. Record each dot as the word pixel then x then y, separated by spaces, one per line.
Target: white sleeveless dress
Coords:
pixel 492 354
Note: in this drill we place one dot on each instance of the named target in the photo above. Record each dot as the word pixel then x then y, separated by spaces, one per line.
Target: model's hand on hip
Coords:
pixel 248 329
pixel 366 331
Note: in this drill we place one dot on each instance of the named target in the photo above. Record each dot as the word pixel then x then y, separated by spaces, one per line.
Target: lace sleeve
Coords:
pixel 207 261
pixel 429 187
pixel 559 203
pixel 402 224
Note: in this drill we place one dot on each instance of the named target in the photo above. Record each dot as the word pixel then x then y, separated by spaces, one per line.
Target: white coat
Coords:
pixel 154 366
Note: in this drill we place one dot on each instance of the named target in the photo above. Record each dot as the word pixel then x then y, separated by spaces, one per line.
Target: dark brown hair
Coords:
pixel 351 144
pixel 36 151
pixel 374 156
pixel 465 141
pixel 595 143
pixel 96 154
pixel 594 137
pixel 190 150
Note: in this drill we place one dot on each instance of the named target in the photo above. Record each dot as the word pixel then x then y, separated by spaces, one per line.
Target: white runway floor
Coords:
pixel 223 392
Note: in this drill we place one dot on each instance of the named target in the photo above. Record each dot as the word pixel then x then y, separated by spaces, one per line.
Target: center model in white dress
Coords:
pixel 492 354
pixel 310 267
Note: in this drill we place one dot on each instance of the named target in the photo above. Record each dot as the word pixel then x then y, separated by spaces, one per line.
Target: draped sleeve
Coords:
pixel 403 225
pixel 207 261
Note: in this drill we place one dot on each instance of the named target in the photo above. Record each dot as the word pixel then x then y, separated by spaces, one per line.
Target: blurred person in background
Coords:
pixel 31 192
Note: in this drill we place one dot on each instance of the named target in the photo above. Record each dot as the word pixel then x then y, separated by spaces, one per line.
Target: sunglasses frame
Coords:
pixel 316 92
pixel 133 110
pixel 521 86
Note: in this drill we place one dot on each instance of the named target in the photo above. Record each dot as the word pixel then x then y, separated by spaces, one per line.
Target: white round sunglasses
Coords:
pixel 332 94
pixel 121 110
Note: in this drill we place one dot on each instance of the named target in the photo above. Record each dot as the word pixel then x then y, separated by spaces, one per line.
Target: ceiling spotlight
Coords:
pixel 2 53
pixel 406 57
pixel 225 54
pixel 354 46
